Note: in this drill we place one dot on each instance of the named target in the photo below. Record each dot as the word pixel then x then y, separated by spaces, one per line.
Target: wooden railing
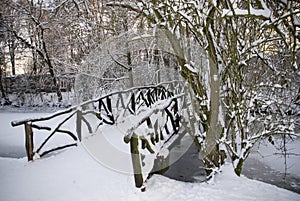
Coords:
pixel 140 101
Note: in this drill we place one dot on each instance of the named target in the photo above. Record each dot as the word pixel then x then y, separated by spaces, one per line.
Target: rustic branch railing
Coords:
pixel 140 101
pixel 162 135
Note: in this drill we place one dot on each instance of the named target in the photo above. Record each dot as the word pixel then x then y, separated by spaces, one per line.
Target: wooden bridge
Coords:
pixel 170 100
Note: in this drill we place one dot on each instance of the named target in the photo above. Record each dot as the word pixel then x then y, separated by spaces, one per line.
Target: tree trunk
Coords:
pixel 128 55
pixel 11 47
pixel 2 90
pixel 3 93
pixel 51 68
pixel 214 130
pixel 209 115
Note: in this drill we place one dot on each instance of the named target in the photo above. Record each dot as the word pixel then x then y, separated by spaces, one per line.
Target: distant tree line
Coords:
pixel 36 83
pixel 53 37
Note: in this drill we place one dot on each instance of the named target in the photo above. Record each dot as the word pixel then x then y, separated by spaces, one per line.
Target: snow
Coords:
pixel 296 21
pixel 164 153
pixel 277 86
pixel 142 36
pixel 225 186
pixel 191 68
pixel 265 12
pixel 74 174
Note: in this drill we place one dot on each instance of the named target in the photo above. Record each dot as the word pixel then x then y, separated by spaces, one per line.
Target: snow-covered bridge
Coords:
pixel 148 118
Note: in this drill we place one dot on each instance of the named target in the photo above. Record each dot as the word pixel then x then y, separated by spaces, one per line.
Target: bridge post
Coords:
pixel 29 140
pixel 136 161
pixel 176 115
pixel 78 124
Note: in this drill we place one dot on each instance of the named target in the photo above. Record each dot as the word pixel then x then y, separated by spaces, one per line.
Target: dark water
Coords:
pixel 255 169
pixel 190 168
pixel 13 152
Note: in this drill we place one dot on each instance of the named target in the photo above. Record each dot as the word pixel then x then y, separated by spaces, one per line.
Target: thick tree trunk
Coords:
pixel 214 157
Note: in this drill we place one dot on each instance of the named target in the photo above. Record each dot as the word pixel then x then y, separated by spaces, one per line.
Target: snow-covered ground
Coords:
pixel 74 174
